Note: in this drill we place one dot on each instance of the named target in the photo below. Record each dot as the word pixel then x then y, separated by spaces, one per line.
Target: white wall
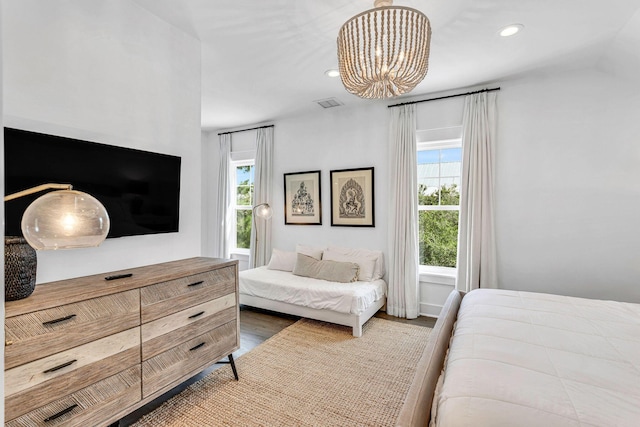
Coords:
pixel 568 185
pixel 333 139
pixel 109 72
pixel 209 163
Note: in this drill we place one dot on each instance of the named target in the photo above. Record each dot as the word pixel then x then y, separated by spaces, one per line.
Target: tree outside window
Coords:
pixel 439 205
pixel 243 197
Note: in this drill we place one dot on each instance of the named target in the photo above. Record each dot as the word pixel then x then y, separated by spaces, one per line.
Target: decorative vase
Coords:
pixel 20 264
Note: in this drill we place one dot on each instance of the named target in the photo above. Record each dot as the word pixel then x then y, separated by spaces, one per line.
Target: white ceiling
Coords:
pixel 264 60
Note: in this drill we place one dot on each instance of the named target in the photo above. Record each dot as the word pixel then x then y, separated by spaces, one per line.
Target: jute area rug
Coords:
pixel 309 374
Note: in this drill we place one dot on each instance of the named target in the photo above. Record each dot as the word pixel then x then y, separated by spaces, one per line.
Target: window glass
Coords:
pixel 243 229
pixel 439 173
pixel 243 195
pixel 244 189
pixel 438 237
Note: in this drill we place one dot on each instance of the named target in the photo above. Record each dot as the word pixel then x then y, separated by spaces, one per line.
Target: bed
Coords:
pixel 529 359
pixel 275 287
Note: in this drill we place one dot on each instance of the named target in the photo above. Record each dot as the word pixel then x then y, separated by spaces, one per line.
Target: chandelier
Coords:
pixel 384 52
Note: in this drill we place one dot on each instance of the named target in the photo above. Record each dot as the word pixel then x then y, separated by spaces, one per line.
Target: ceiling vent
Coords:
pixel 328 103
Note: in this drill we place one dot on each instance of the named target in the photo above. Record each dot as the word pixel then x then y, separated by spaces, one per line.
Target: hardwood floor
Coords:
pixel 256 326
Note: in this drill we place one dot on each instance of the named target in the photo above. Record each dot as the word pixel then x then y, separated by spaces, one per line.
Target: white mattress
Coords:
pixel 527 359
pixel 350 298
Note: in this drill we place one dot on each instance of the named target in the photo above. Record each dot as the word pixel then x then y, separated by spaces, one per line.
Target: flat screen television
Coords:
pixel 139 189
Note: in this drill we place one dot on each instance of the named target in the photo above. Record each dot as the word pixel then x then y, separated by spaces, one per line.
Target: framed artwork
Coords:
pixel 352 198
pixel 302 205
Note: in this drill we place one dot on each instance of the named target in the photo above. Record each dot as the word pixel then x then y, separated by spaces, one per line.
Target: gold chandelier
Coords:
pixel 384 52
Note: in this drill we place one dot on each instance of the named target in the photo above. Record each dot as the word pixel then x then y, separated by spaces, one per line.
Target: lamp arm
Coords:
pixel 257 206
pixel 37 189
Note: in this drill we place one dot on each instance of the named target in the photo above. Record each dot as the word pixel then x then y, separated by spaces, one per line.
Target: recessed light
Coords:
pixel 332 73
pixel 511 30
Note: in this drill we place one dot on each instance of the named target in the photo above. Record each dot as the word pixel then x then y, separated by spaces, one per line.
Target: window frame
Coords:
pixel 434 270
pixel 233 183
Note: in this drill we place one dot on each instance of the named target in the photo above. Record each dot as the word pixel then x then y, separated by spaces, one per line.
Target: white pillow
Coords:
pixel 310 251
pixel 367 264
pixel 378 272
pixel 282 260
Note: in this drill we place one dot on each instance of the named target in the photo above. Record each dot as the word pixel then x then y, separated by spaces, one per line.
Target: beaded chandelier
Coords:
pixel 384 52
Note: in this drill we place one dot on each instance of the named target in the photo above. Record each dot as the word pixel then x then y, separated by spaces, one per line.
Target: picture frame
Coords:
pixel 302 198
pixel 352 198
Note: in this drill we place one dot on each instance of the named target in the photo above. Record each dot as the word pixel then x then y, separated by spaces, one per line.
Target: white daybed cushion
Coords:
pixel 530 359
pixel 353 298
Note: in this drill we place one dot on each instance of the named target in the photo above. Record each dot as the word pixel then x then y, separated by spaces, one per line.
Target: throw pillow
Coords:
pixel 379 269
pixel 367 264
pixel 333 271
pixel 282 260
pixel 309 251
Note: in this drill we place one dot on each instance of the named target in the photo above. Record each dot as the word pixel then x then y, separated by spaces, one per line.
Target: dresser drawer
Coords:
pixel 164 333
pixel 42 333
pixel 42 381
pixel 166 298
pixel 88 406
pixel 167 368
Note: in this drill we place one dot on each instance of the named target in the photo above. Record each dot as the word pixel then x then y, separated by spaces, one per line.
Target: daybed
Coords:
pixel 275 287
pixel 528 359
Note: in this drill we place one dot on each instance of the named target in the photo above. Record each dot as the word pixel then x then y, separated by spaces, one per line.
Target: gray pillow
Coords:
pixel 333 271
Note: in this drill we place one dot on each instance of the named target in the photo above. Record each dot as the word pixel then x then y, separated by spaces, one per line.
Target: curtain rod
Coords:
pixel 445 97
pixel 244 130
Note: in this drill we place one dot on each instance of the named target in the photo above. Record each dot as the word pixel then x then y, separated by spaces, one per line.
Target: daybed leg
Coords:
pixel 357 331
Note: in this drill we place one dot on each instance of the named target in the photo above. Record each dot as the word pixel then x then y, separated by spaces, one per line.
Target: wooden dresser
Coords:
pixel 89 350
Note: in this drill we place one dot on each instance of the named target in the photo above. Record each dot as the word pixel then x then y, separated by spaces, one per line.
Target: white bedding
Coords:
pixel 528 359
pixel 350 298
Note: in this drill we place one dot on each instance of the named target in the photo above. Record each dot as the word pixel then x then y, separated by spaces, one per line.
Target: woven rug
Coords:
pixel 309 374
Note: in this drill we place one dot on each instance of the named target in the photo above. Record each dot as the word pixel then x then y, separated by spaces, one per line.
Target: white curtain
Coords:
pixel 402 300
pixel 223 211
pixel 263 183
pixel 476 240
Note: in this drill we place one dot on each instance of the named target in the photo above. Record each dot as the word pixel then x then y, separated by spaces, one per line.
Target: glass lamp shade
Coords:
pixel 65 219
pixel 264 211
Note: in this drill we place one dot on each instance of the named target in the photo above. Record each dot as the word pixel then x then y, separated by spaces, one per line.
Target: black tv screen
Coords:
pixel 139 189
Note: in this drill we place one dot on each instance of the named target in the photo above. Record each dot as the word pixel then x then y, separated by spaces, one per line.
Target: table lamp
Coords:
pixel 61 219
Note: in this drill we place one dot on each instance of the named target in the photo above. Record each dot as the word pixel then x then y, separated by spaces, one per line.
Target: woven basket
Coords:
pixel 20 264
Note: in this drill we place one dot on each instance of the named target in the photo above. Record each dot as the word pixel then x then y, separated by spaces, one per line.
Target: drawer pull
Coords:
pixel 193 316
pixel 62 319
pixel 196 347
pixel 61 413
pixel 196 283
pixel 57 368
pixel 118 276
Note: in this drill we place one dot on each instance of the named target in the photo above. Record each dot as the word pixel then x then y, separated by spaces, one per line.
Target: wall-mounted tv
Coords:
pixel 139 189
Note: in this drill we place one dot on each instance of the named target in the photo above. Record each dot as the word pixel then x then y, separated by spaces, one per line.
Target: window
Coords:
pixel 439 170
pixel 242 202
